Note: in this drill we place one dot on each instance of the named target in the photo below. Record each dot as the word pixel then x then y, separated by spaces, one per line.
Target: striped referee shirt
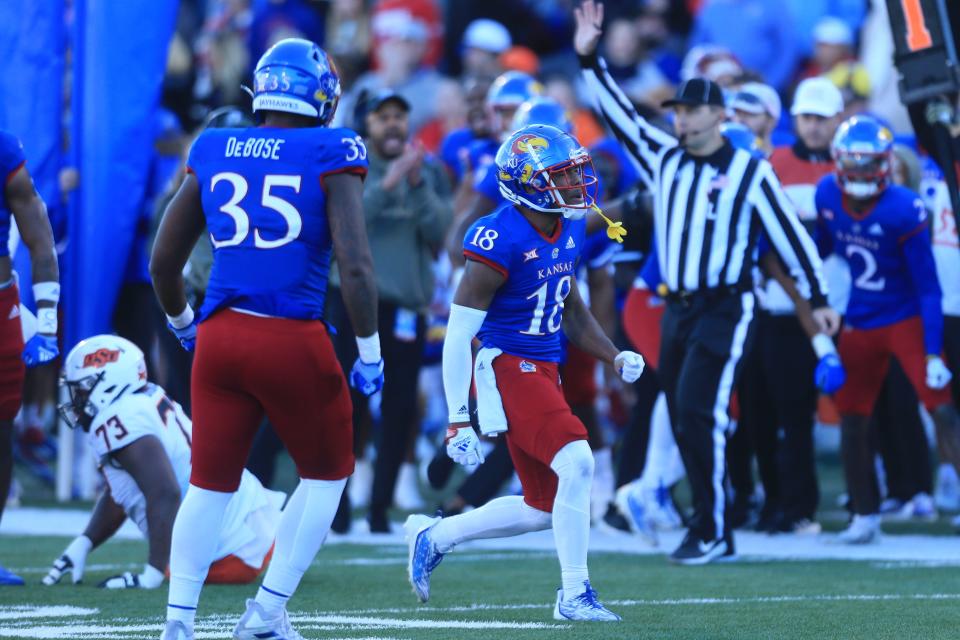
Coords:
pixel 708 211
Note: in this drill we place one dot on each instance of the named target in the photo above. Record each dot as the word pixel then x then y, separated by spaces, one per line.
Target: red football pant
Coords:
pixel 247 366
pixel 866 356
pixel 540 424
pixel 578 374
pixel 12 368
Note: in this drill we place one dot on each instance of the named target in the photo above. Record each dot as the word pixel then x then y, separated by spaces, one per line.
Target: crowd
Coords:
pixel 432 88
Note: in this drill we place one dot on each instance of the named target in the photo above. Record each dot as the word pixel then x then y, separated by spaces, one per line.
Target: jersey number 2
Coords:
pixel 242 220
pixel 866 279
pixel 555 320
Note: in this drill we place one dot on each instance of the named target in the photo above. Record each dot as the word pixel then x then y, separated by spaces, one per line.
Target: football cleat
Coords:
pixel 660 508
pixel 176 630
pixel 424 556
pixel 693 551
pixel 862 530
pixel 584 607
pixel 9 578
pixel 254 625
pixel 60 567
pixel 633 510
pixel 919 507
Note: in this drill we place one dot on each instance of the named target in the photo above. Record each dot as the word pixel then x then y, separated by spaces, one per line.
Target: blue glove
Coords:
pixel 367 378
pixel 40 349
pixel 187 335
pixel 829 374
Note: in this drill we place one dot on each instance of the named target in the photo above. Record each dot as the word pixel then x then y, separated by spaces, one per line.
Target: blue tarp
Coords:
pixel 120 55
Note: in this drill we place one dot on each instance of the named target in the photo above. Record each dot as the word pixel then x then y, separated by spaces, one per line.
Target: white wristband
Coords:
pixel 182 320
pixel 47 292
pixel 822 345
pixel 47 320
pixel 369 348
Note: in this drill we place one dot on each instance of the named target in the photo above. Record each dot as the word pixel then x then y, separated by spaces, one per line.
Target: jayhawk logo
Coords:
pixel 101 358
pixel 529 143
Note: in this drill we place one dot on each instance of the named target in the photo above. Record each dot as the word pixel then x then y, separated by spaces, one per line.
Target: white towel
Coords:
pixel 490 412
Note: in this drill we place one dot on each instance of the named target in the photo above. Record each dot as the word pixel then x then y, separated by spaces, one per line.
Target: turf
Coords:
pixel 361 592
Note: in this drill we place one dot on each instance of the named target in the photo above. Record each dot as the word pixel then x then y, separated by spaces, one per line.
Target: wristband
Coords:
pixel 47 320
pixel 183 320
pixel 369 348
pixel 47 292
pixel 822 345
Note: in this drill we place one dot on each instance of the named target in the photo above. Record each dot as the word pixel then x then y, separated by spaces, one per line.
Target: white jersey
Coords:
pixel 250 522
pixel 946 247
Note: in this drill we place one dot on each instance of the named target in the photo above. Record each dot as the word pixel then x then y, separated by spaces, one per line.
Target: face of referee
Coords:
pixel 698 127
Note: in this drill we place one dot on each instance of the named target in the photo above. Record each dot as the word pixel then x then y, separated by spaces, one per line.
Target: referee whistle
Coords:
pixel 615 230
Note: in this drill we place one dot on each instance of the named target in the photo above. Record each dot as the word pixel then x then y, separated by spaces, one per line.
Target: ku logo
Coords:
pixel 101 358
pixel 555 252
pixel 530 255
pixel 529 143
pixel 527 367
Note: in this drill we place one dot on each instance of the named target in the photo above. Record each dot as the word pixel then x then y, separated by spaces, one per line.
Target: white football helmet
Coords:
pixel 98 371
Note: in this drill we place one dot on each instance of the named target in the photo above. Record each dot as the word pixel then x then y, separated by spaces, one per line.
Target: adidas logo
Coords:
pixel 14 312
pixel 875 229
pixel 570 243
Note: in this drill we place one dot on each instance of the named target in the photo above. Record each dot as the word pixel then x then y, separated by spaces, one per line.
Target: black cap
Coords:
pixel 697 91
pixel 382 97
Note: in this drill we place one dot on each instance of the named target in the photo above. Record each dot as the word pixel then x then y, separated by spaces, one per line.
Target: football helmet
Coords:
pixel 542 110
pixel 741 137
pixel 297 76
pixel 98 371
pixel 862 150
pixel 505 95
pixel 545 169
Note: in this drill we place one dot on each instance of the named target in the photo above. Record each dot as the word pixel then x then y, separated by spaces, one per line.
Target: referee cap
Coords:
pixel 697 91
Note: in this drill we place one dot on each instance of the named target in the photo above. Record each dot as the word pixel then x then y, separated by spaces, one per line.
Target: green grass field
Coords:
pixel 361 592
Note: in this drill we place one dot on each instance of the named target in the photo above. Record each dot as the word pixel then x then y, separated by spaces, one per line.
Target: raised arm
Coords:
pixel 641 140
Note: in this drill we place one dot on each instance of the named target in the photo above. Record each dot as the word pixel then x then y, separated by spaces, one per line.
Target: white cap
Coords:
pixel 488 35
pixel 756 97
pixel 832 30
pixel 817 96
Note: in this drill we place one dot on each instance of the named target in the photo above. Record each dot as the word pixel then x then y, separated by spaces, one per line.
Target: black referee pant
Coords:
pixel 704 336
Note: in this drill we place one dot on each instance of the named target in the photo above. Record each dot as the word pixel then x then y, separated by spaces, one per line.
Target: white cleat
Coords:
pixel 636 515
pixel 176 630
pixel 254 625
pixel 423 555
pixel 919 507
pixel 585 607
pixel 863 530
pixel 947 494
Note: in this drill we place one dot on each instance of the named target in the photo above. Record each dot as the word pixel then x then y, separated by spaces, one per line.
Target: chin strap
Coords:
pixel 615 230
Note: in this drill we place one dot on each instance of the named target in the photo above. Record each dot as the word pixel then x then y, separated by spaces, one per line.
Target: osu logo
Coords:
pixel 100 358
pixel 529 143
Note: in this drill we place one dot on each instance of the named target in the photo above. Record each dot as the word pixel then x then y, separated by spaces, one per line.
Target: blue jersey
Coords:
pixel 486 184
pixel 461 148
pixel 11 160
pixel 525 315
pixel 890 258
pixel 266 212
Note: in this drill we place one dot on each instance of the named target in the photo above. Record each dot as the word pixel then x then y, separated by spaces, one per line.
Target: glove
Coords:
pixel 629 365
pixel 938 376
pixel 463 446
pixel 40 349
pixel 187 335
pixel 73 559
pixel 367 378
pixel 829 374
pixel 151 578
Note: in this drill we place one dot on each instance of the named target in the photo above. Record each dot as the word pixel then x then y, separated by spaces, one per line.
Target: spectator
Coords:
pixel 630 65
pixel 349 38
pixel 716 64
pixel 483 43
pixel 406 202
pixel 854 83
pixel 757 106
pixel 833 44
pixel 451 116
pixel 522 59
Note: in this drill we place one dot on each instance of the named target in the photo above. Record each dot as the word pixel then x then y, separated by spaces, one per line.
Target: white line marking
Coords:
pixel 40 611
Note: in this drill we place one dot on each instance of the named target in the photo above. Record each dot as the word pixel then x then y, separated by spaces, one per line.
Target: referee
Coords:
pixel 711 202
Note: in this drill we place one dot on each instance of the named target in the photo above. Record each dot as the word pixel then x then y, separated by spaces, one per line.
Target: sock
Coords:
pixel 304 525
pixel 196 534
pixel 573 465
pixel 500 518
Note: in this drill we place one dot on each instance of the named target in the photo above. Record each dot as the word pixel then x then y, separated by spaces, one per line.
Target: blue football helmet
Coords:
pixel 547 170
pixel 297 76
pixel 862 150
pixel 542 110
pixel 504 97
pixel 741 137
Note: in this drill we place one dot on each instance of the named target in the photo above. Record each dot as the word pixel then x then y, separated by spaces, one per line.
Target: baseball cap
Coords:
pixel 697 91
pixel 488 35
pixel 756 97
pixel 382 97
pixel 832 30
pixel 817 96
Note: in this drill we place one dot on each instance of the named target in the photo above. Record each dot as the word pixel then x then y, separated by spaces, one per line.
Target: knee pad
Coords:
pixel 574 461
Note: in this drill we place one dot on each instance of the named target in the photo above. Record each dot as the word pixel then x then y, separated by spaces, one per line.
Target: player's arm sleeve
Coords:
pixel 916 248
pixel 463 325
pixel 788 236
pixel 641 140
pixel 485 243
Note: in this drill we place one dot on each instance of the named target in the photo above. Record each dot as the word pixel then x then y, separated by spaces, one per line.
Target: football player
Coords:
pixel 21 201
pixel 517 290
pixel 882 231
pixel 278 201
pixel 142 442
